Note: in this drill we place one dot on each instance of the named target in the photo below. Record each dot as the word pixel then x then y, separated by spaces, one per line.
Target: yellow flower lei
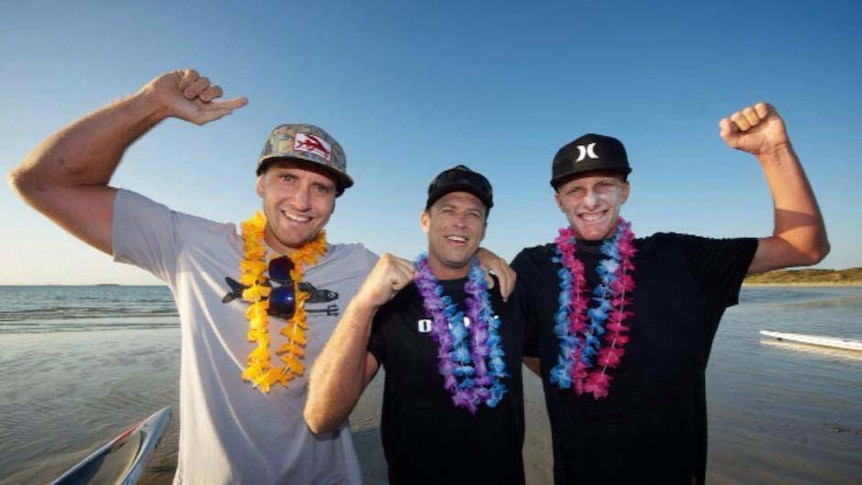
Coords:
pixel 252 267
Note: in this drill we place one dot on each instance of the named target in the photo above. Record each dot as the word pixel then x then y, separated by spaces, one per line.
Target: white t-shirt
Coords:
pixel 230 432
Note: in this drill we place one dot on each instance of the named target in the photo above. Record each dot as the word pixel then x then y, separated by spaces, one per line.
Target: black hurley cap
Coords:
pixel 589 153
pixel 460 179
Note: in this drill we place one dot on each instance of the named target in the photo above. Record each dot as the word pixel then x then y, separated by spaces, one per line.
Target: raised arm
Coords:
pixel 799 234
pixel 345 367
pixel 66 176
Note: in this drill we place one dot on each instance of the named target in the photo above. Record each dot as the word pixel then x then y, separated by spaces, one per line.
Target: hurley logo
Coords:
pixel 305 142
pixel 586 151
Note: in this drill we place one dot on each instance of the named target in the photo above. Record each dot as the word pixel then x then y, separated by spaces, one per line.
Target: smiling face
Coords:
pixel 455 226
pixel 592 203
pixel 298 200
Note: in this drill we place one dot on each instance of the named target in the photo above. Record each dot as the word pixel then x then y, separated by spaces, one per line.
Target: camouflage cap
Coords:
pixel 308 143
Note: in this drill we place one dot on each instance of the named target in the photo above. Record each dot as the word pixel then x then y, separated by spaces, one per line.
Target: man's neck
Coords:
pixel 591 247
pixel 443 273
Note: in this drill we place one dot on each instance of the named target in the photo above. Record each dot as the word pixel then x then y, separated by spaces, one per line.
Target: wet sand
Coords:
pixel 366 435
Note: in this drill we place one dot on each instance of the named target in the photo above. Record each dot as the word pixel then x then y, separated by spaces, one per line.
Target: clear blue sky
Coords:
pixel 410 88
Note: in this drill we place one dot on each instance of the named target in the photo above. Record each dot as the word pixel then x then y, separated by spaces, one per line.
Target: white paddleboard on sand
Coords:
pixel 121 460
pixel 819 340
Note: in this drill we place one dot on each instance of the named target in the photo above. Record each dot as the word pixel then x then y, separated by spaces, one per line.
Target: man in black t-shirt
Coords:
pixel 622 327
pixel 451 348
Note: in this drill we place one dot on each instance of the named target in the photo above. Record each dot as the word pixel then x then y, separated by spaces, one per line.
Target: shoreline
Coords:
pixel 803 285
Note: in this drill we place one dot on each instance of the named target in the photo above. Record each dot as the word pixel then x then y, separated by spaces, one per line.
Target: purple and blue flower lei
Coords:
pixel 470 357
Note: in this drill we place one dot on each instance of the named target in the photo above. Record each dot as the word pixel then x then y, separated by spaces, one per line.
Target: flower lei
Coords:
pixel 592 340
pixel 472 369
pixel 252 267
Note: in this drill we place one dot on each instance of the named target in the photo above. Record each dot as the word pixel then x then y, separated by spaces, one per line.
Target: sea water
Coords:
pixel 786 413
pixel 78 364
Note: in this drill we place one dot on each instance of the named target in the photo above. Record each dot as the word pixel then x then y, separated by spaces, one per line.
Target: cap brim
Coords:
pixel 344 181
pixel 437 195
pixel 565 177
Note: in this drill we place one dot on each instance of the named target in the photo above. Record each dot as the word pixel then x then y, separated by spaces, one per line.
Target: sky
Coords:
pixel 412 88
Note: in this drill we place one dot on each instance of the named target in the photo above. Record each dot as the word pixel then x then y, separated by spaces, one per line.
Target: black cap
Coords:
pixel 457 179
pixel 589 153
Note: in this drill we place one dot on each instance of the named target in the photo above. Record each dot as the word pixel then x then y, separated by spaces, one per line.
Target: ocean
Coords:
pixel 78 364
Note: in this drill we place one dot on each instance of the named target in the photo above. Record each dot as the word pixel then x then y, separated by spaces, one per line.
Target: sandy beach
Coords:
pixel 538 459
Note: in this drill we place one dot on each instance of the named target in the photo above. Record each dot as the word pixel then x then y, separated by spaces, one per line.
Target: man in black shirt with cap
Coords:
pixel 624 326
pixel 451 348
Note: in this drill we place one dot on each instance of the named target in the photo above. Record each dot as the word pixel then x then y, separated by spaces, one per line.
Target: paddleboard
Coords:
pixel 819 340
pixel 121 460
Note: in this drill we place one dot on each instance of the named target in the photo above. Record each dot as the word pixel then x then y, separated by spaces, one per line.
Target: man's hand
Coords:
pixel 188 96
pixel 389 276
pixel 757 129
pixel 498 266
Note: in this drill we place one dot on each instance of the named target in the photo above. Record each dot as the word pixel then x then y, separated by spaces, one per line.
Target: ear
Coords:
pixel 258 185
pixel 624 196
pixel 425 221
pixel 558 201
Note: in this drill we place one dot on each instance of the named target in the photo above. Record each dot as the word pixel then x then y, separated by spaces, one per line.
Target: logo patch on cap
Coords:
pixel 586 151
pixel 305 142
pixel 589 153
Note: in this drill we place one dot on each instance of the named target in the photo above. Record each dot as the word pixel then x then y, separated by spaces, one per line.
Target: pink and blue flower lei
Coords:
pixel 470 357
pixel 592 340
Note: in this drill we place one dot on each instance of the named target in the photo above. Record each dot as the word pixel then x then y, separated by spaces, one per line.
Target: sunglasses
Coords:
pixel 282 299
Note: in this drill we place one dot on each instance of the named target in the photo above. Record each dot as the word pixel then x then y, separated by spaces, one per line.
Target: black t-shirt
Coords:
pixel 426 439
pixel 651 428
